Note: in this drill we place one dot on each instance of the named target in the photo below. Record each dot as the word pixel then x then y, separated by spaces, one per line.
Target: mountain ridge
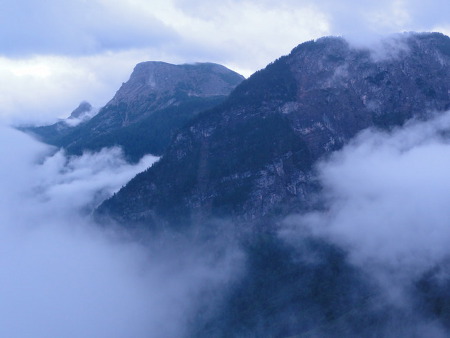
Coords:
pixel 252 156
pixel 147 110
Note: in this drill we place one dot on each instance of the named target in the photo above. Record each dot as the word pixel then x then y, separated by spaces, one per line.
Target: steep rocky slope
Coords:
pixel 148 109
pixel 251 158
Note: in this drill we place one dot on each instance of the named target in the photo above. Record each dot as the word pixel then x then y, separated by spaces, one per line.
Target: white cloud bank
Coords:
pixel 61 276
pixel 387 199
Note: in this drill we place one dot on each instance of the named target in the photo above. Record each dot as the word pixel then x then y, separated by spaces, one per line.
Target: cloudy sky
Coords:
pixel 55 54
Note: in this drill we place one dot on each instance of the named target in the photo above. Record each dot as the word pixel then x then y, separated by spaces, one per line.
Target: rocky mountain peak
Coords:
pixel 83 108
pixel 154 78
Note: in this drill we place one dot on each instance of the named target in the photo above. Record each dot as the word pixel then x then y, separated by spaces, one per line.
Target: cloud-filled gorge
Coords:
pixel 61 276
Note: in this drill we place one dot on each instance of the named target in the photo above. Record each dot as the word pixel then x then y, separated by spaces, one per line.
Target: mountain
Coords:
pixel 251 158
pixel 52 133
pixel 146 111
pixel 236 169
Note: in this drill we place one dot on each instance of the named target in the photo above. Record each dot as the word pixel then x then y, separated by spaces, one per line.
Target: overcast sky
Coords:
pixel 56 53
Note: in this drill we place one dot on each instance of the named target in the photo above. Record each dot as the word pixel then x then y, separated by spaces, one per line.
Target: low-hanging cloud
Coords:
pixel 61 276
pixel 385 200
pixel 365 22
pixel 387 196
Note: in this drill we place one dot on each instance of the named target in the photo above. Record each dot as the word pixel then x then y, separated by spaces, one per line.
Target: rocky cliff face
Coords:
pixel 251 158
pixel 160 80
pixel 157 85
pixel 148 109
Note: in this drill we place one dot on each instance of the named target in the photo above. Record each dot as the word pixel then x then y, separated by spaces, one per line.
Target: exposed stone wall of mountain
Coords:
pixel 160 79
pixel 252 156
pixel 157 85
pixel 148 109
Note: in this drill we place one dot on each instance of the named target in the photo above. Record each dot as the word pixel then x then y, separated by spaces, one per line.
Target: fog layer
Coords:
pixel 61 276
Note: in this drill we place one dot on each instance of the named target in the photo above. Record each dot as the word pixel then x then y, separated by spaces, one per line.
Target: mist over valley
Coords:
pixel 309 199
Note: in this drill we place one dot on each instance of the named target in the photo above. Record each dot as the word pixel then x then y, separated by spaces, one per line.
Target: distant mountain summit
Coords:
pixel 156 86
pixel 251 158
pixel 160 81
pixel 147 110
pixel 53 133
pixel 83 109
